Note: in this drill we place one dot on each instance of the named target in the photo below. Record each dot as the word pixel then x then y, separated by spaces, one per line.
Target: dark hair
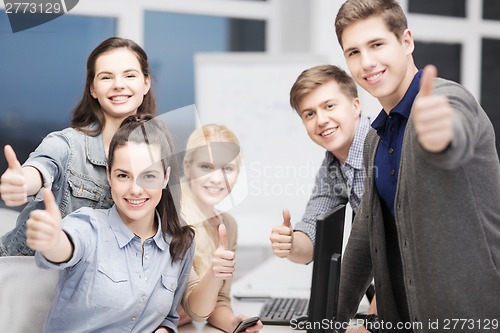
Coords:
pixel 314 77
pixel 149 130
pixel 353 11
pixel 89 111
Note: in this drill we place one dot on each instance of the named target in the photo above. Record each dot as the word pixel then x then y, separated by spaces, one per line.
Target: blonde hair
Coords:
pixel 205 243
pixel 312 78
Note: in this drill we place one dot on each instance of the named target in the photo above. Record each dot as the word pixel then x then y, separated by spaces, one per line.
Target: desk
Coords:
pixel 275 277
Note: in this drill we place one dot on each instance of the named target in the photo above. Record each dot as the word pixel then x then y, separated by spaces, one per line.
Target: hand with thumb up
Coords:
pixel 13 188
pixel 282 237
pixel 44 226
pixel 432 115
pixel 223 259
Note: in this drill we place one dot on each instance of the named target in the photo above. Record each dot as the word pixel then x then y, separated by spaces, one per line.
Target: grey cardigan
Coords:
pixel 447 212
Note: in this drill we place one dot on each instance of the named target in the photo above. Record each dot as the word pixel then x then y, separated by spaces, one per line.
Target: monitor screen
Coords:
pixel 326 270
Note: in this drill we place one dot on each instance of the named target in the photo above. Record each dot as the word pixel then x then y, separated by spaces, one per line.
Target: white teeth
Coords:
pixel 328 132
pixel 374 77
pixel 213 189
pixel 136 202
pixel 119 98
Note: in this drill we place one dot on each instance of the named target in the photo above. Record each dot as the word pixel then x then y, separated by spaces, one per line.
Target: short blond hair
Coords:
pixel 314 77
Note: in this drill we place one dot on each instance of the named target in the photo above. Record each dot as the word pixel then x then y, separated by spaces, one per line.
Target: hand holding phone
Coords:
pixel 246 323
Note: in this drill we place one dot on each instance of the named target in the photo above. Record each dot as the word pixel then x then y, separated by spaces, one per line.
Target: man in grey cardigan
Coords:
pixel 428 226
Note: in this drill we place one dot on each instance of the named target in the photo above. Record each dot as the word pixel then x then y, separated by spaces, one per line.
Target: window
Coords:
pixel 491 10
pixel 171 42
pixel 490 76
pixel 43 74
pixel 455 8
pixel 445 56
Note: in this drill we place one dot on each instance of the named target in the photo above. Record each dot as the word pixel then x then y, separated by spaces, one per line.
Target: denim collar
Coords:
pixel 94 148
pixel 124 235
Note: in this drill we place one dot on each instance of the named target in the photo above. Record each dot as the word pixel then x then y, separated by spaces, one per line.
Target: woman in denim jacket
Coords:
pixel 72 162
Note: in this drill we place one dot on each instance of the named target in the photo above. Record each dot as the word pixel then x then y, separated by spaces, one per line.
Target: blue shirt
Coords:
pixel 337 183
pixel 108 285
pixel 391 128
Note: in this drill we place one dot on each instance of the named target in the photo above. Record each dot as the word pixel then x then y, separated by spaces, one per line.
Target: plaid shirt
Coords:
pixel 336 184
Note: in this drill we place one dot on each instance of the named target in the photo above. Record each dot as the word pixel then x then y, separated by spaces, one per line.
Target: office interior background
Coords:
pixel 42 70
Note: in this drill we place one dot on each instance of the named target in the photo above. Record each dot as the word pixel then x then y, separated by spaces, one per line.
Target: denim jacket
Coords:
pixel 73 165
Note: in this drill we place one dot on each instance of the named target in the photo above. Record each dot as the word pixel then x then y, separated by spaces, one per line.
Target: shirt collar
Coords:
pixel 404 106
pixel 355 156
pixel 94 148
pixel 124 235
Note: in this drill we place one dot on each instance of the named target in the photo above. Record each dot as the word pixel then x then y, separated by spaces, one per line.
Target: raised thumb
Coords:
pixel 427 80
pixel 286 218
pixel 223 236
pixel 51 205
pixel 10 156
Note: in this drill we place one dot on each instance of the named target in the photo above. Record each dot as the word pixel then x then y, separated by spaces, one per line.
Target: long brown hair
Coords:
pixel 88 111
pixel 149 130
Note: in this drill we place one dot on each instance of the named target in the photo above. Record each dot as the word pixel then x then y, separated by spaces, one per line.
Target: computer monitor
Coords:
pixel 326 270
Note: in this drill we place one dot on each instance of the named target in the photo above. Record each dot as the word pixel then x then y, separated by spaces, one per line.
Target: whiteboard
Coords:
pixel 249 93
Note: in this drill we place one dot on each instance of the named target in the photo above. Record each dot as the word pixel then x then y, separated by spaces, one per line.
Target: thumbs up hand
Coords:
pixel 432 115
pixel 13 188
pixel 223 259
pixel 44 226
pixel 282 237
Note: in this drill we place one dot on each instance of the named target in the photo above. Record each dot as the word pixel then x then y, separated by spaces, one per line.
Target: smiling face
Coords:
pixel 210 178
pixel 330 118
pixel 119 83
pixel 379 62
pixel 136 182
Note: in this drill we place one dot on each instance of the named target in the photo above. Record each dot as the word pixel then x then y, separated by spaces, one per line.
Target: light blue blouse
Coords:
pixel 109 285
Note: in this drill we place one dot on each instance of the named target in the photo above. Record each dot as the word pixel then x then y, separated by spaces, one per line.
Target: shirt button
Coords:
pixel 143 297
pixel 145 279
pixel 391 150
pixel 393 172
pixel 133 318
pixel 146 256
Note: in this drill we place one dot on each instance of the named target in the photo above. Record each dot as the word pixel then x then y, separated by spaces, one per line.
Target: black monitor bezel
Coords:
pixel 328 244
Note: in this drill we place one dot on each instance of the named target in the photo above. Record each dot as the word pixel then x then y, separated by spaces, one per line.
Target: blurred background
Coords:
pixel 42 69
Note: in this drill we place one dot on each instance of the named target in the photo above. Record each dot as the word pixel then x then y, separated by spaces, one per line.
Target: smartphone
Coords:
pixel 244 324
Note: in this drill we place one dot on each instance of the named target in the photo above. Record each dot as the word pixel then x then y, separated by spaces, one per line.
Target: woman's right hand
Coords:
pixel 44 228
pixel 13 188
pixel 223 259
